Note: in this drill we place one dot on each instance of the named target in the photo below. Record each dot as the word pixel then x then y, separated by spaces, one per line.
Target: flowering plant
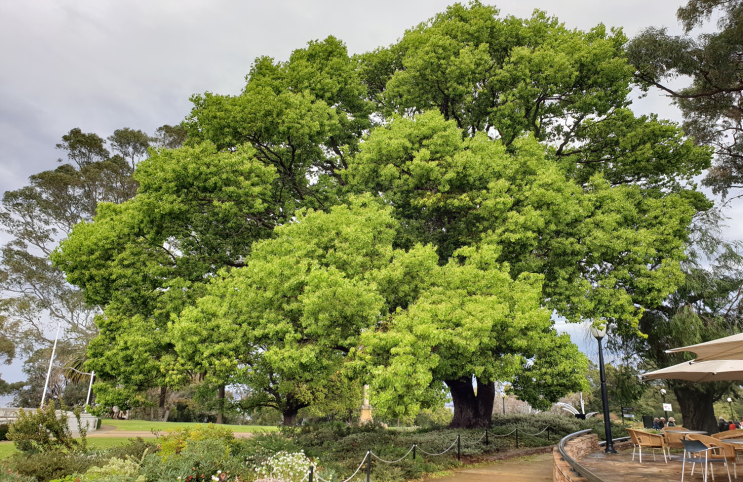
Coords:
pixel 284 466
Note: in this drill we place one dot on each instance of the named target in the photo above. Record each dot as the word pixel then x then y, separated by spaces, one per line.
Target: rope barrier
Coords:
pixel 372 454
pixel 538 433
pixel 348 479
pixel 394 461
pixel 442 453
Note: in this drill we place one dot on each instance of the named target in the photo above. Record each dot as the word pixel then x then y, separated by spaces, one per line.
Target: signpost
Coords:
pixel 627 415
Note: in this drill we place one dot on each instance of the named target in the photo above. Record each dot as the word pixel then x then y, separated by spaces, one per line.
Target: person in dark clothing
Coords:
pixel 671 422
pixel 662 423
pixel 656 423
pixel 722 425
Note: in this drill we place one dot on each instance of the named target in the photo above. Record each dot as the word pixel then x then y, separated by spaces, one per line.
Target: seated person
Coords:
pixel 662 422
pixel 722 425
pixel 656 423
pixel 671 422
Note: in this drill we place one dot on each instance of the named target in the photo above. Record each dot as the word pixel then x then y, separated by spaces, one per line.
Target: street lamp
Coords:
pixel 504 396
pixel 663 394
pixel 600 333
pixel 730 404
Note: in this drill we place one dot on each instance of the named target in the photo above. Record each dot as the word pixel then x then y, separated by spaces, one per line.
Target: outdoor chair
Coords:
pixel 674 440
pixel 720 452
pixel 649 440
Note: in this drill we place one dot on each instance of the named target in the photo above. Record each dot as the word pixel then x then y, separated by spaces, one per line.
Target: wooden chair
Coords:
pixel 721 453
pixel 649 440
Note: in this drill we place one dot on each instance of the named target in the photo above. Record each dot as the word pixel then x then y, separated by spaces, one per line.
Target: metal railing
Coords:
pixel 575 466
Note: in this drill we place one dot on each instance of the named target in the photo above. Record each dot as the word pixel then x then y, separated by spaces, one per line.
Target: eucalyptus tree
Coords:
pixel 712 102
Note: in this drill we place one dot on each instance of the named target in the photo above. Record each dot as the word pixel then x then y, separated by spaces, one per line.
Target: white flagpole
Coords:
pixel 51 361
pixel 90 387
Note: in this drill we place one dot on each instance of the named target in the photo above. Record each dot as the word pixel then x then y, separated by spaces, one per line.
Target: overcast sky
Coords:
pixel 102 65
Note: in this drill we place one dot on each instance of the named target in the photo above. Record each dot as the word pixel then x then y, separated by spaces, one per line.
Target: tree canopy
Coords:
pixel 410 217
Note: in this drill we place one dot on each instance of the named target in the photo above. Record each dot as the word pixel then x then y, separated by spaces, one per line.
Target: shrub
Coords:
pixel 288 467
pixel 10 476
pixel 3 431
pixel 174 441
pixel 198 461
pixel 259 448
pixel 42 431
pixel 115 470
pixel 135 449
pixel 49 465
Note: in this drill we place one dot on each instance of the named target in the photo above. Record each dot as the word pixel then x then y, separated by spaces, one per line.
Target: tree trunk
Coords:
pixel 697 409
pixel 167 413
pixel 471 410
pixel 290 417
pixel 161 402
pixel 220 403
pixel 152 413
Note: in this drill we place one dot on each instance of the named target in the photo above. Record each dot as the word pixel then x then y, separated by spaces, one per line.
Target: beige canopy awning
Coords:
pixel 728 348
pixel 694 371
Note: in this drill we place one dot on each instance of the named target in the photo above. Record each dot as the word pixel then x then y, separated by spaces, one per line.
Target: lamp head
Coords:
pixel 662 391
pixel 598 332
pixel 730 400
pixel 503 395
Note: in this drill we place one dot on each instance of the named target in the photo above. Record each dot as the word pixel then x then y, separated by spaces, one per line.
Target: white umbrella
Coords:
pixel 728 348
pixel 694 371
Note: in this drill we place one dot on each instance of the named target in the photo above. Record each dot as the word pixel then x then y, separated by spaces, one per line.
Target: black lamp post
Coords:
pixel 599 333
pixel 663 394
pixel 503 396
pixel 730 404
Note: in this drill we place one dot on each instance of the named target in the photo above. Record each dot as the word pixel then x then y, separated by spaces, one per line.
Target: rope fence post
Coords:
pixel 311 471
pixel 486 437
pixel 413 451
pixel 517 438
pixel 368 466
pixel 459 453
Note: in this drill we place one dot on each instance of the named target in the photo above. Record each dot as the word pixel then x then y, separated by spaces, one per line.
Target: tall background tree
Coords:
pixel 712 103
pixel 34 295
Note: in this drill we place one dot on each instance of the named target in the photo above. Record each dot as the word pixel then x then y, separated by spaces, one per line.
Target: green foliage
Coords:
pixel 285 466
pixel 710 103
pixel 174 442
pixel 136 449
pixel 46 466
pixel 42 431
pixel 197 462
pixel 433 417
pixel 115 470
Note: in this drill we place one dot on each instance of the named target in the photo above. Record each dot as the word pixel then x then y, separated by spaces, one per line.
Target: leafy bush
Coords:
pixel 10 476
pixel 174 441
pixel 198 461
pixel 259 448
pixel 42 431
pixel 3 431
pixel 288 467
pixel 49 465
pixel 116 470
pixel 135 449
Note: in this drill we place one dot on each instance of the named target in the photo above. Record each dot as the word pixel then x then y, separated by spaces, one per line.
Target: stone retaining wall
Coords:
pixel 9 415
pixel 575 448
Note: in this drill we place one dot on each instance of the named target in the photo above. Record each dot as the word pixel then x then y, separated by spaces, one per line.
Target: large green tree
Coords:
pixel 504 150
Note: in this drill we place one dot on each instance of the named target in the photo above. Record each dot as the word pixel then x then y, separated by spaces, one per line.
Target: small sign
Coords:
pixel 667 407
pixel 628 409
pixel 629 415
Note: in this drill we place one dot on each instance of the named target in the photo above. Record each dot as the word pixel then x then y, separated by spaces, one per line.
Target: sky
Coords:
pixel 101 65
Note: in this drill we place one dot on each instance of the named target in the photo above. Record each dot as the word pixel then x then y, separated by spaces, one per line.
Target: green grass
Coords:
pixel 143 425
pixel 6 448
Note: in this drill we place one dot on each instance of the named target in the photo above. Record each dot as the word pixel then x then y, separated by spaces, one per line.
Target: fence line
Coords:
pixel 457 443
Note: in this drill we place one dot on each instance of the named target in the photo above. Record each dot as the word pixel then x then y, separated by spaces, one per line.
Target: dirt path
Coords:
pixel 109 431
pixel 536 468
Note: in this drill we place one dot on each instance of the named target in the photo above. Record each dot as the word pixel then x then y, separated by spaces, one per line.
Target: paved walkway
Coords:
pixel 621 468
pixel 535 468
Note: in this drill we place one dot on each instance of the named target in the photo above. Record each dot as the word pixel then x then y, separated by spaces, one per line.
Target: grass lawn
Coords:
pixel 143 425
pixel 8 448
